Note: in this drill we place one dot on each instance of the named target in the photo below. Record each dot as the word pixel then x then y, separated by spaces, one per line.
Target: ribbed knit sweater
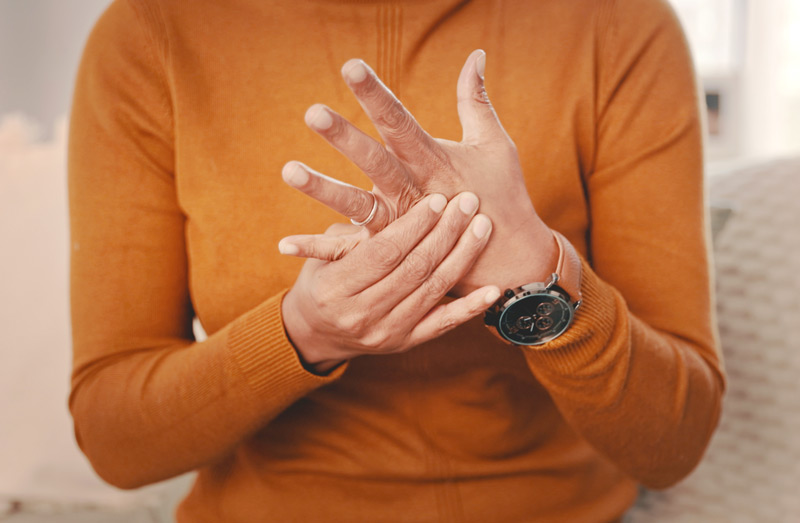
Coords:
pixel 185 112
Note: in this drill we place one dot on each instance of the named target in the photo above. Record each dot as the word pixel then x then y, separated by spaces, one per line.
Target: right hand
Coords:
pixel 383 296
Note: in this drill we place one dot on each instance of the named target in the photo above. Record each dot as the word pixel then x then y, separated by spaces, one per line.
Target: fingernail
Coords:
pixel 468 203
pixel 288 248
pixel 355 71
pixel 294 175
pixel 491 296
pixel 481 226
pixel 480 65
pixel 437 202
pixel 318 117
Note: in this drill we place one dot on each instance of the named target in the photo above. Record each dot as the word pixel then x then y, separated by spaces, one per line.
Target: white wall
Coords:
pixel 40 44
pixel 749 50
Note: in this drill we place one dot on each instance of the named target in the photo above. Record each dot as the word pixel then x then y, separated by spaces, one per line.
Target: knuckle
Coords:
pixel 358 206
pixel 480 96
pixel 437 285
pixel 386 252
pixel 370 91
pixel 322 250
pixel 376 339
pixel 350 323
pixel 452 229
pixel 448 322
pixel 395 120
pixel 339 251
pixel 338 130
pixel 376 160
pixel 312 250
pixel 321 295
pixel 386 106
pixel 409 196
pixel 417 266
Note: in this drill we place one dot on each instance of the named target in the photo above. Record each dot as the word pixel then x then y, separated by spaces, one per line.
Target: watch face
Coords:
pixel 535 319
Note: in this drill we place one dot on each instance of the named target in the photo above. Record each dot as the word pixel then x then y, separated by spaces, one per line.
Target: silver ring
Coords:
pixel 371 213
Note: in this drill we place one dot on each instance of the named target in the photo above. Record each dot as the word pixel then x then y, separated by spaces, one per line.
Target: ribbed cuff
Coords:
pixel 594 325
pixel 267 358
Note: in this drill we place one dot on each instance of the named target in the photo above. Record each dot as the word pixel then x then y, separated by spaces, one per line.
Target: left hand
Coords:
pixel 413 164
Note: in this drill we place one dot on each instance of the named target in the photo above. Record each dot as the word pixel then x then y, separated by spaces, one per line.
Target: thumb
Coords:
pixel 479 122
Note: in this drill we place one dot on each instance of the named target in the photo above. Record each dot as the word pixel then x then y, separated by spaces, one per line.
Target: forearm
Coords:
pixel 639 375
pixel 645 398
pixel 146 414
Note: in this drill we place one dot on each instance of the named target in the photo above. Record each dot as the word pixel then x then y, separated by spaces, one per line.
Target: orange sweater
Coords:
pixel 184 113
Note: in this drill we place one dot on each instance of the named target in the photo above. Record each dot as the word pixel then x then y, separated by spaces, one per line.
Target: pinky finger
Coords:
pixel 446 317
pixel 325 247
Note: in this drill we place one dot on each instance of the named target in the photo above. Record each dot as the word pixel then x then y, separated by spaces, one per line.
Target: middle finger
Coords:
pixel 403 135
pixel 383 168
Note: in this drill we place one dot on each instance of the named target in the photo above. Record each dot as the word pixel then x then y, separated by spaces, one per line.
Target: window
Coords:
pixel 747 53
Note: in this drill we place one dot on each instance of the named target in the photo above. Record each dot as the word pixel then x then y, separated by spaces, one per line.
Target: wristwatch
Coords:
pixel 536 313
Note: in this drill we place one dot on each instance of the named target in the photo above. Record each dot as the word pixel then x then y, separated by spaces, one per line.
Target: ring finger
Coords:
pixel 348 200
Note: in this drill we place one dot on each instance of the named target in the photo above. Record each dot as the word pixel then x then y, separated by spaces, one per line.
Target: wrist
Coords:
pixel 540 311
pixel 522 250
pixel 532 254
pixel 313 355
pixel 525 252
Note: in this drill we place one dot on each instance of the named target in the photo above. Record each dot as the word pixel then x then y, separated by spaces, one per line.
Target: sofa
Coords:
pixel 751 470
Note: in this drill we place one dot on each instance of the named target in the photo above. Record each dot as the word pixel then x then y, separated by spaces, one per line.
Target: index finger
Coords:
pixel 400 131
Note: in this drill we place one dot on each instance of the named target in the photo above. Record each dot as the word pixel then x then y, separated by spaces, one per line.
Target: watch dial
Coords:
pixel 535 319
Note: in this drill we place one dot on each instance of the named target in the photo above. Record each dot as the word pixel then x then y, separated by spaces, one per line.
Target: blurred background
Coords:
pixel 747 54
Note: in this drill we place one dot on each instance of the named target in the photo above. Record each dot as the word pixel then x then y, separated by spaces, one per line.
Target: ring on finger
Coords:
pixel 371 213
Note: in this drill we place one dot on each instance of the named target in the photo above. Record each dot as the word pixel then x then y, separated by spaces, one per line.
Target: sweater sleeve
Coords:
pixel 639 375
pixel 148 402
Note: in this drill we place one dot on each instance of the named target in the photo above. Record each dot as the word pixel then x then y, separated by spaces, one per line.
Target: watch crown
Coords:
pixel 509 294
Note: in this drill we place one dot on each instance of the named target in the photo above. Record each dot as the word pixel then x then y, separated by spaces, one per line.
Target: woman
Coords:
pixel 345 391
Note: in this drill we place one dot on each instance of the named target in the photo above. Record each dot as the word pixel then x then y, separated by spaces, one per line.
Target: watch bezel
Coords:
pixel 530 292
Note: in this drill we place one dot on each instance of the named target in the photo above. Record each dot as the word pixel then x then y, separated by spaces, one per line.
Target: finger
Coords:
pixel 373 259
pixel 479 121
pixel 449 272
pixel 326 247
pixel 403 135
pixel 422 261
pixel 383 168
pixel 346 199
pixel 446 317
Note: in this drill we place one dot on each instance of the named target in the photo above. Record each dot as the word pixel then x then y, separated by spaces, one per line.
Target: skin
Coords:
pixel 383 295
pixel 407 169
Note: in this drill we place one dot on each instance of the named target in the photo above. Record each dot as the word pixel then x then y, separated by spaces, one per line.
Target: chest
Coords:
pixel 239 118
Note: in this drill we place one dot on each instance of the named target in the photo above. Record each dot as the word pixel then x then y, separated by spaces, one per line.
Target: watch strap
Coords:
pixel 568 267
